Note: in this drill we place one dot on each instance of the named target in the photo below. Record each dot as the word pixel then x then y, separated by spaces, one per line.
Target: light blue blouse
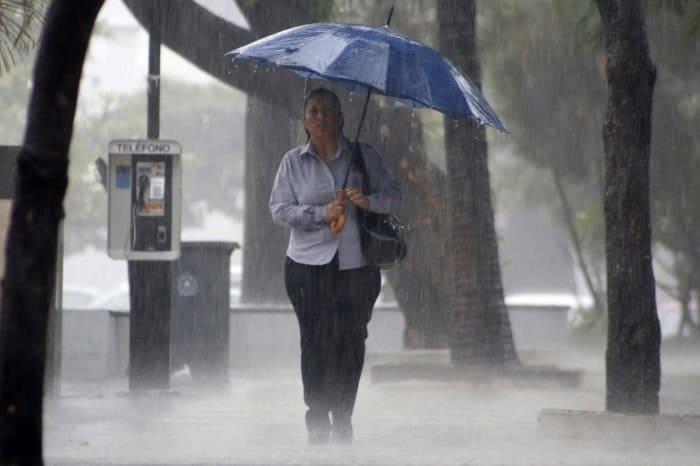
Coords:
pixel 305 184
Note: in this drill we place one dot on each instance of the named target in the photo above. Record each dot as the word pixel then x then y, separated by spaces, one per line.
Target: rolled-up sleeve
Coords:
pixel 285 208
pixel 385 192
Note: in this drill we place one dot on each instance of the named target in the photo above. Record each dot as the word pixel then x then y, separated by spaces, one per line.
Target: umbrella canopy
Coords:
pixel 377 60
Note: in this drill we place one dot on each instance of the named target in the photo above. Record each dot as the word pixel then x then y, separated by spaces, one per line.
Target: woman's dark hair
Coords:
pixel 326 94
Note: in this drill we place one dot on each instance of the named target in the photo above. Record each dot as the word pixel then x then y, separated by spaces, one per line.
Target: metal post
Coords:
pixel 150 281
pixel 153 129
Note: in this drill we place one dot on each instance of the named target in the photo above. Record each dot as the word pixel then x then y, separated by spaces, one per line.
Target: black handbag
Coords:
pixel 381 235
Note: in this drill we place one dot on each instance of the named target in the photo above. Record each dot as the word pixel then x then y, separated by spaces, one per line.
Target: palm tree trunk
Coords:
pixel 481 332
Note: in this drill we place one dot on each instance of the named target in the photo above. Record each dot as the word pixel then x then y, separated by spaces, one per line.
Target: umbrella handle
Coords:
pixel 337 225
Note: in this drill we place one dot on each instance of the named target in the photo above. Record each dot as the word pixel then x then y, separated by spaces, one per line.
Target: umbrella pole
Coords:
pixel 355 144
pixel 364 111
pixel 362 118
pixel 369 91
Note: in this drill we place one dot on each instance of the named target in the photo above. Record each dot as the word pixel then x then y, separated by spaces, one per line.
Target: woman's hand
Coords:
pixel 334 210
pixel 357 198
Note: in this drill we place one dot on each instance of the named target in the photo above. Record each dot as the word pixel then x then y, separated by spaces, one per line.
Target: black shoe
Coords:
pixel 341 431
pixel 318 426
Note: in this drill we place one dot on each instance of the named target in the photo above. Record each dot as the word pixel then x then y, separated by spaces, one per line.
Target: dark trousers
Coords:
pixel 333 308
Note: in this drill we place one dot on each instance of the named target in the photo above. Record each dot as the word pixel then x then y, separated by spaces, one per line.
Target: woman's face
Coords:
pixel 322 118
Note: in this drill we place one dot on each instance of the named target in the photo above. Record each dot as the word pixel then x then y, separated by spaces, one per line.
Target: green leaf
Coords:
pixel 19 21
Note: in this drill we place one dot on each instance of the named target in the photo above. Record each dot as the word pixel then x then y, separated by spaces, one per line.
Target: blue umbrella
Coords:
pixel 375 60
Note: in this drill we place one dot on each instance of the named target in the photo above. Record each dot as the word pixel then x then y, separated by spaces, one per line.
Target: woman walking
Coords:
pixel 330 284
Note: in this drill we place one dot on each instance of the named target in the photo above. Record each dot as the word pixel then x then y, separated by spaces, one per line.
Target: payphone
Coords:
pixel 145 192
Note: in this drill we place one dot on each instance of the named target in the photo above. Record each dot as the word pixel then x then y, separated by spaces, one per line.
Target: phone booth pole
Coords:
pixel 150 281
pixel 153 128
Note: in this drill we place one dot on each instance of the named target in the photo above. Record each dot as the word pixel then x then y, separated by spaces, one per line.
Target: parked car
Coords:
pixel 569 302
pixel 549 299
pixel 235 294
pixel 77 297
pixel 115 300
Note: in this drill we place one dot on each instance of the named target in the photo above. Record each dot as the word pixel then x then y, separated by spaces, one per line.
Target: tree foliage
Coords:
pixel 201 118
pixel 550 88
pixel 18 23
pixel 675 165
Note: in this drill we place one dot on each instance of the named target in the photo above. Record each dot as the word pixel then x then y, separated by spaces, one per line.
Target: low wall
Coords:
pixel 539 328
pixel 95 343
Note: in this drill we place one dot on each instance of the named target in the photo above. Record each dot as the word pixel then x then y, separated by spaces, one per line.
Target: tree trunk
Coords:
pixel 270 132
pixel 481 331
pixel 421 282
pixel 42 178
pixel 632 360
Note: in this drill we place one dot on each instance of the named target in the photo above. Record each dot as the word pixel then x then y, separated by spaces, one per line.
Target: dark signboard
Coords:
pixel 8 166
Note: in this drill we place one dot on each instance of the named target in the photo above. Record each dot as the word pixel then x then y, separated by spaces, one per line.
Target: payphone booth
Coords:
pixel 145 191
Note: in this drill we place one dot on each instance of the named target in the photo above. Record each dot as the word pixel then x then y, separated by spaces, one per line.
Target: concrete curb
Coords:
pixel 617 426
pixel 527 375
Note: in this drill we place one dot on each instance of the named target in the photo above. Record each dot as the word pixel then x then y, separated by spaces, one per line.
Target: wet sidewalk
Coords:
pixel 258 420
